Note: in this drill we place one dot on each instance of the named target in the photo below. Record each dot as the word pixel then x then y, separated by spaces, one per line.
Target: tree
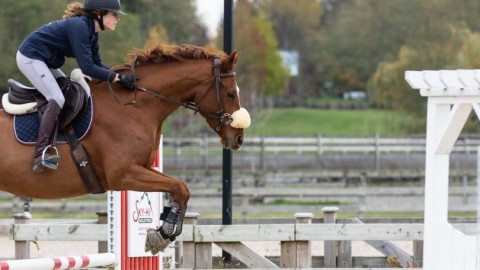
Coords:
pixel 178 17
pixel 260 67
pixel 388 89
pixel 360 35
pixel 18 19
pixel 296 25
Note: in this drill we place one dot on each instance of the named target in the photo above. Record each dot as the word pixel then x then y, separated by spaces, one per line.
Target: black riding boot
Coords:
pixel 43 159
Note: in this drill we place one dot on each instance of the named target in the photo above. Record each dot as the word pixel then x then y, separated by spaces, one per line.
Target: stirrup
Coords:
pixel 172 220
pixel 52 160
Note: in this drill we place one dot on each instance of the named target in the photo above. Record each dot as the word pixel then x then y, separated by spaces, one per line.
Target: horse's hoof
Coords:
pixel 155 242
pixel 172 220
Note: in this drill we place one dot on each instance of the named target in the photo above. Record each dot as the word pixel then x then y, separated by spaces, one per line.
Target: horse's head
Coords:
pixel 210 90
pixel 220 103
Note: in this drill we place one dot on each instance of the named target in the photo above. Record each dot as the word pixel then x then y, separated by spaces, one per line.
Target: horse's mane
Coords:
pixel 164 53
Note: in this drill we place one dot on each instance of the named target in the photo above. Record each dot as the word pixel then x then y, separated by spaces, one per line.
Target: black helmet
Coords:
pixel 109 5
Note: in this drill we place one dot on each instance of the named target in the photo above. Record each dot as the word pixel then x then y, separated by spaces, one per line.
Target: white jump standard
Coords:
pixel 452 95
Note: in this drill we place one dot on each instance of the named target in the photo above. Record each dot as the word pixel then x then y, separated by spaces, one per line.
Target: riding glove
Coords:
pixel 127 81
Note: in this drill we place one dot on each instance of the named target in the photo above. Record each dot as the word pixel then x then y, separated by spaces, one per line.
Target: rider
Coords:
pixel 43 52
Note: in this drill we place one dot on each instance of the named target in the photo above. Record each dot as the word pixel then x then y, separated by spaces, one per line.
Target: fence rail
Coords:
pixel 264 153
pixel 319 145
pixel 194 245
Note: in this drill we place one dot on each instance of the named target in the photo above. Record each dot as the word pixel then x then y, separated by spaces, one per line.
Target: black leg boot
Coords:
pixel 43 159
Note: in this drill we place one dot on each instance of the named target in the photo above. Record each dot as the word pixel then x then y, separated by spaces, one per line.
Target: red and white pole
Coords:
pixel 59 263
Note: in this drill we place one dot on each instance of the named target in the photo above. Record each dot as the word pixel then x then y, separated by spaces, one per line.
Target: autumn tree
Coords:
pixel 260 68
pixel 178 17
pixel 296 25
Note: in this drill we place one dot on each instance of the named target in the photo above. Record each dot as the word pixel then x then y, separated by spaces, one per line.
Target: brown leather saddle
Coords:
pixel 76 99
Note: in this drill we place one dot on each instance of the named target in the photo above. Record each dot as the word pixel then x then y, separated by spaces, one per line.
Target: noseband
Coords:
pixel 220 115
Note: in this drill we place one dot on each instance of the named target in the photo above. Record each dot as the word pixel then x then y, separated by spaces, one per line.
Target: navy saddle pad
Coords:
pixel 26 126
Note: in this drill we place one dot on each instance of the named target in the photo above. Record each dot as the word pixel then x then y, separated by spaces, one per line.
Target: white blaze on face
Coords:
pixel 241 118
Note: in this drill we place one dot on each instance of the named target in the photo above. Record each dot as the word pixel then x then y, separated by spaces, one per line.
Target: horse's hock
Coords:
pixel 452 95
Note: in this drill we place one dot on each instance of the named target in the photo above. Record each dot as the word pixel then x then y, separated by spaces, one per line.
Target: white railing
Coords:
pixel 315 145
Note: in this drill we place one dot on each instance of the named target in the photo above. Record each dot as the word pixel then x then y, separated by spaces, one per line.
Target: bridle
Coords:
pixel 220 115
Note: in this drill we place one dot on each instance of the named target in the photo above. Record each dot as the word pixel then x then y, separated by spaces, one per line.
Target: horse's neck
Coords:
pixel 175 81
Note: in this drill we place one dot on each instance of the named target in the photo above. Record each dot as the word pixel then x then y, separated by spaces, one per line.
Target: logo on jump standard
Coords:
pixel 143 212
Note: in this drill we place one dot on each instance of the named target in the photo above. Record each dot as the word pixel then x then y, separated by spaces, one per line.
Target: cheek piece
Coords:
pixel 241 119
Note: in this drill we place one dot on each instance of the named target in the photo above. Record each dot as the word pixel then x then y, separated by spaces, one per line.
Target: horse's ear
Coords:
pixel 232 60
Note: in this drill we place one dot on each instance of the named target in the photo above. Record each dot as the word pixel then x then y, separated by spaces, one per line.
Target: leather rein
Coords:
pixel 220 115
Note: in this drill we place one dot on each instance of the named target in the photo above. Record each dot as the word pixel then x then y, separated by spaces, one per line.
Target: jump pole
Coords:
pixel 59 263
pixel 130 214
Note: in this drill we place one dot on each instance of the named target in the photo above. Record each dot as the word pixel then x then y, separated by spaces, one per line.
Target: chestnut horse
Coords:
pixel 123 137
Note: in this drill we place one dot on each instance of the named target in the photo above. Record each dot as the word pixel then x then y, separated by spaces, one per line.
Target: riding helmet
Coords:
pixel 109 5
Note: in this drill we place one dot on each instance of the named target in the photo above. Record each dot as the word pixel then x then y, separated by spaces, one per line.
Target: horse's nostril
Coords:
pixel 240 140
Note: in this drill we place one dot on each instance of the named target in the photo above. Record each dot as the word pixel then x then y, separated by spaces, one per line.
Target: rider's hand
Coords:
pixel 127 81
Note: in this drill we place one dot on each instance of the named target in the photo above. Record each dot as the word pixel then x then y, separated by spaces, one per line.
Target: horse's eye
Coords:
pixel 231 95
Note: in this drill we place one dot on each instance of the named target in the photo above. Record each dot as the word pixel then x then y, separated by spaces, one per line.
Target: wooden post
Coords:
pixel 205 153
pixel 186 254
pixel 362 199
pixel 377 151
pixel 304 248
pixel 297 254
pixel 330 247
pixel 102 218
pixel 418 252
pixel 344 258
pixel 22 248
pixel 263 164
pixel 465 189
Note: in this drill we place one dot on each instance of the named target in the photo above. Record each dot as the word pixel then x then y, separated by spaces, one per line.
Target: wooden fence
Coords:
pixel 260 152
pixel 318 145
pixel 360 198
pixel 194 246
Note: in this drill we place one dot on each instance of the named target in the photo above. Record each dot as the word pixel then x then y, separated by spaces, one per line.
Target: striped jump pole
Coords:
pixel 59 263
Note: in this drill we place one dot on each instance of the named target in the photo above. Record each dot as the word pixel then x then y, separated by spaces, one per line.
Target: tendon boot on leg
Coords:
pixel 43 158
pixel 172 220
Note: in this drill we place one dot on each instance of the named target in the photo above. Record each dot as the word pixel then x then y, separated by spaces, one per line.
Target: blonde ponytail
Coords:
pixel 74 10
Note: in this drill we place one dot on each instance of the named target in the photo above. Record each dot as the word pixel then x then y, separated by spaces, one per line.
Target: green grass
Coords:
pixel 311 122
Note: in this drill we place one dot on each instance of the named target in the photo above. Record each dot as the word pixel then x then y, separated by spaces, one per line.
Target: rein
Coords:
pixel 220 115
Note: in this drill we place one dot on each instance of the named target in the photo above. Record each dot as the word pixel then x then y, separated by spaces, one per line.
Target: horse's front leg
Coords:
pixel 138 178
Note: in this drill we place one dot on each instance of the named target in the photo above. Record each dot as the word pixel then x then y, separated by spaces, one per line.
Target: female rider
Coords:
pixel 43 52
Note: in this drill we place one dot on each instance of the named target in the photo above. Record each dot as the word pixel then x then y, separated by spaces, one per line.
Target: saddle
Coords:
pixel 22 99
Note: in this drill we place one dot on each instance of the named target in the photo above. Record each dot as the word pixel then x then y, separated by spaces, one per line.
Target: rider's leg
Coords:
pixel 43 158
pixel 57 73
pixel 42 78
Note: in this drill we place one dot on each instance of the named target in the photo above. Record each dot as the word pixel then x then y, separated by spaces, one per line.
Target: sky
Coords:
pixel 210 12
